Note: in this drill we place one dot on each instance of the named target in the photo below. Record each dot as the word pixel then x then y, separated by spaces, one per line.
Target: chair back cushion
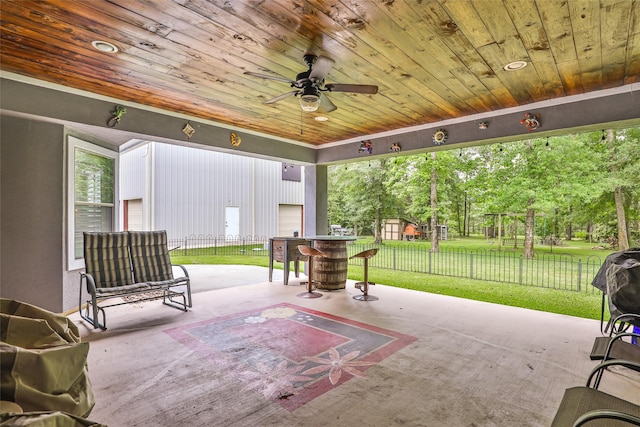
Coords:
pixel 106 258
pixel 150 256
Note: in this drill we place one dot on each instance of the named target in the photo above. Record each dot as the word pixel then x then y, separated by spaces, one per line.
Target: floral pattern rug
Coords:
pixel 290 354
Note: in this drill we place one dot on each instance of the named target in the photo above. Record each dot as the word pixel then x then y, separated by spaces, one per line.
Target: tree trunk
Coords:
pixel 499 231
pixel 378 225
pixel 460 221
pixel 435 246
pixel 529 230
pixel 623 236
pixel 465 219
pixel 569 229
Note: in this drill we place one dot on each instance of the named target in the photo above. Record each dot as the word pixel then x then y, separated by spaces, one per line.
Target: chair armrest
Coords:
pixel 606 414
pixel 625 321
pixel 619 337
pixel 91 283
pixel 607 363
pixel 184 270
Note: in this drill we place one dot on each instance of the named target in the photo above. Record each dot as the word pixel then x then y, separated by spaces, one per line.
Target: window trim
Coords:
pixel 73 143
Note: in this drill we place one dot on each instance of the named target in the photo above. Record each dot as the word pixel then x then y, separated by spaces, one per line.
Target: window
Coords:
pixel 92 194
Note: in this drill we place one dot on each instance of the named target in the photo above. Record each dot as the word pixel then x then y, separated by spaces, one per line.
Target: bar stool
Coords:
pixel 364 286
pixel 311 253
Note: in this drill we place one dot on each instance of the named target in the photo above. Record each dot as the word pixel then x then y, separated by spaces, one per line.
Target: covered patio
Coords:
pixel 115 72
pixel 410 358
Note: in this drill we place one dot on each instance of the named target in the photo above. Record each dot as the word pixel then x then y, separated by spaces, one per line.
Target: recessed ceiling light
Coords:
pixel 103 46
pixel 515 65
pixel 321 118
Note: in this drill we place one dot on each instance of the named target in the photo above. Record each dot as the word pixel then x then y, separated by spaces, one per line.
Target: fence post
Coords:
pixel 579 275
pixel 186 240
pixel 521 271
pixel 215 246
pixel 471 265
pixel 394 259
pixel 430 261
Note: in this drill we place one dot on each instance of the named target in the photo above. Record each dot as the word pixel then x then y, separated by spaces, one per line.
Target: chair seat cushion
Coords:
pixel 116 290
pixel 579 400
pixel 621 350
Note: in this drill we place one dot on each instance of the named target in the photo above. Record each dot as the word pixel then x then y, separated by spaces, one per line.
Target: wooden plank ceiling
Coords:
pixel 431 59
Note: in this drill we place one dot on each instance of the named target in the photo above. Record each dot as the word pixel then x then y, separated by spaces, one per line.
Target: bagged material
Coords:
pixel 43 364
pixel 45 419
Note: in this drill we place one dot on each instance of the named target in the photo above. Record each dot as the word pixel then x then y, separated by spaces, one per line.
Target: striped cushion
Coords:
pixel 150 256
pixel 106 258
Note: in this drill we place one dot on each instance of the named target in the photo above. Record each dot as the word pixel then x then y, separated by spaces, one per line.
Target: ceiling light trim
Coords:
pixel 104 47
pixel 515 65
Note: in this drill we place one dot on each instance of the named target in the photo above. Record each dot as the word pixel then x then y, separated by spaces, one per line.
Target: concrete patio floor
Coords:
pixel 469 363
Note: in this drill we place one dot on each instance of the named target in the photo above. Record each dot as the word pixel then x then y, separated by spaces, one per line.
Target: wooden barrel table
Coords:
pixel 331 272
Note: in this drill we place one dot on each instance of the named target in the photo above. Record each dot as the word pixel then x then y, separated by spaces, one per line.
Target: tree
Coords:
pixel 533 176
pixel 364 200
pixel 561 183
pixel 623 238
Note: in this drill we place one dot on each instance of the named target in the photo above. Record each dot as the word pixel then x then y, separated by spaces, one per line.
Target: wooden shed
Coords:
pixel 393 229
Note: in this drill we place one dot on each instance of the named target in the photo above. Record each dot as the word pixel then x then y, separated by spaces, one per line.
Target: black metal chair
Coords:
pixel 364 286
pixel 311 253
pixel 580 405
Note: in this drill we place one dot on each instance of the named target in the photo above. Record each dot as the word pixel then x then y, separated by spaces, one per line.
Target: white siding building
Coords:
pixel 193 192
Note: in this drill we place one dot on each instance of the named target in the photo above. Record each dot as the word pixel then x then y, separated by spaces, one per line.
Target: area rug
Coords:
pixel 290 354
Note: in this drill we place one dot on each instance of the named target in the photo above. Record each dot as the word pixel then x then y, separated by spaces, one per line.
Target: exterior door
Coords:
pixel 232 221
pixel 289 220
pixel 133 215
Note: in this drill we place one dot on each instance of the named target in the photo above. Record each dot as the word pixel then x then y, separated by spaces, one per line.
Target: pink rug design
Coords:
pixel 290 354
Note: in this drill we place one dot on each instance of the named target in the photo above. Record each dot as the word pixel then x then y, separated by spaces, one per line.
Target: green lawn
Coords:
pixel 579 304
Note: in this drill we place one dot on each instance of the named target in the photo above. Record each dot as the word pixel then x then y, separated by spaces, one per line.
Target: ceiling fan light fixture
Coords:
pixel 309 102
pixel 104 46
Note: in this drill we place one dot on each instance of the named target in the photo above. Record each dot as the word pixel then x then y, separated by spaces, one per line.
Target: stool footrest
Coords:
pixel 359 285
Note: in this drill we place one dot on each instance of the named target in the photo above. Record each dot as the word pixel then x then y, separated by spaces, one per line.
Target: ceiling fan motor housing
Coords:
pixel 310 59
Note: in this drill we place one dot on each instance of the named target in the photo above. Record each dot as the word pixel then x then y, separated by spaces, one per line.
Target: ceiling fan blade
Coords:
pixel 321 68
pixel 339 87
pixel 326 104
pixel 281 97
pixel 267 76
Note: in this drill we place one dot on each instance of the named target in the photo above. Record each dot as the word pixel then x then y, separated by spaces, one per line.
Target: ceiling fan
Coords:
pixel 310 85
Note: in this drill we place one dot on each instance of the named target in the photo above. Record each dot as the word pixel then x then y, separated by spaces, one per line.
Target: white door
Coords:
pixel 134 215
pixel 232 221
pixel 289 220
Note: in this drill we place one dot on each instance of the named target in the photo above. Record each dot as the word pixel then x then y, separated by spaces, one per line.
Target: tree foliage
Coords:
pixel 563 184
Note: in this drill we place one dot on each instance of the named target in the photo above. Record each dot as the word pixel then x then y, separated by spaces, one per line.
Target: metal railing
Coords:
pixel 555 271
pixel 219 245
